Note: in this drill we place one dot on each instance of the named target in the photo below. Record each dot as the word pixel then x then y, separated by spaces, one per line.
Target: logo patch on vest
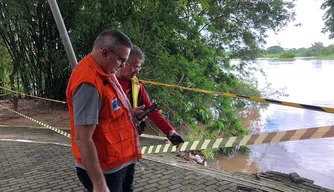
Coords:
pixel 115 104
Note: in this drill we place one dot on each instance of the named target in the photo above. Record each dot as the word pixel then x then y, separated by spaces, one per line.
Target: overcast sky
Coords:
pixel 309 14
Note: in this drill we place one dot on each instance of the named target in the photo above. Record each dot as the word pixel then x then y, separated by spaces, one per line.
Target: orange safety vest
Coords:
pixel 114 136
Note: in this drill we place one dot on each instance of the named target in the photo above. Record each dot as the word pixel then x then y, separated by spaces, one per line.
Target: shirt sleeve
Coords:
pixel 87 105
pixel 155 116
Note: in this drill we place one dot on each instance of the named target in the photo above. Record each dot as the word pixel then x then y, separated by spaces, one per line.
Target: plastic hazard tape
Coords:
pixel 275 137
pixel 63 102
pixel 298 105
pixel 41 123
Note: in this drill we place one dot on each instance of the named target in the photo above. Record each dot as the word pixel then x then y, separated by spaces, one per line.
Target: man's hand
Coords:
pixel 83 139
pixel 170 134
pixel 136 111
pixel 101 188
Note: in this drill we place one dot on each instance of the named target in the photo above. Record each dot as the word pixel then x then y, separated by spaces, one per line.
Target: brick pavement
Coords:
pixel 31 166
pixel 27 166
pixel 36 167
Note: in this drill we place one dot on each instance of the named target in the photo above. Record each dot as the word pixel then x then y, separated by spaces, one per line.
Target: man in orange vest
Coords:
pixel 104 137
pixel 136 92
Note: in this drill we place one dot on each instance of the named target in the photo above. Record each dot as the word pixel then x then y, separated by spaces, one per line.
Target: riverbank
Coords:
pixel 321 57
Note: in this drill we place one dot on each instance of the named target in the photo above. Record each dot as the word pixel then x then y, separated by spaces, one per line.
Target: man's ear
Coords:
pixel 104 53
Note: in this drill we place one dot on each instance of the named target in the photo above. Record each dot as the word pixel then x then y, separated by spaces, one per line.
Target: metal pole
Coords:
pixel 63 32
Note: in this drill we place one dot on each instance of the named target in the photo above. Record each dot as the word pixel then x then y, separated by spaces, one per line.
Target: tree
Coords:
pixel 5 67
pixel 274 50
pixel 303 52
pixel 31 37
pixel 5 64
pixel 328 6
pixel 186 43
pixel 329 50
pixel 317 48
pixel 189 39
pixel 287 54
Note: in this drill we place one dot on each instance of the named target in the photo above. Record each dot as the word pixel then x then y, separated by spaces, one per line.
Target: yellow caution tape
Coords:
pixel 258 99
pixel 274 137
pixel 298 105
pixel 41 123
pixel 34 96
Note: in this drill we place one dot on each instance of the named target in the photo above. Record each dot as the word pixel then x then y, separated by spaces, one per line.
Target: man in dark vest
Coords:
pixel 136 92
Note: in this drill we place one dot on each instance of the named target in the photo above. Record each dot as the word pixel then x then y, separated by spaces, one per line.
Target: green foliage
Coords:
pixel 329 56
pixel 5 65
pixel 245 87
pixel 186 43
pixel 274 50
pixel 329 50
pixel 233 150
pixel 208 153
pixel 31 37
pixel 328 6
pixel 316 50
pixel 286 54
pixel 304 52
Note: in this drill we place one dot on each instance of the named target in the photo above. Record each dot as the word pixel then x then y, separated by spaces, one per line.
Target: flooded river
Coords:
pixel 306 82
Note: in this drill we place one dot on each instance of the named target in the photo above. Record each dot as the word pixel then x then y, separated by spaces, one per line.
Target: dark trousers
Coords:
pixel 120 181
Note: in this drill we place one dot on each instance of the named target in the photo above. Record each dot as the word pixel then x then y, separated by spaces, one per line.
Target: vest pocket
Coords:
pixel 128 141
pixel 119 145
pixel 116 108
pixel 112 119
pixel 128 147
pixel 113 147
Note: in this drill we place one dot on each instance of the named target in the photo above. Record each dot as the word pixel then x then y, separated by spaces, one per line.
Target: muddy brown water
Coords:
pixel 307 82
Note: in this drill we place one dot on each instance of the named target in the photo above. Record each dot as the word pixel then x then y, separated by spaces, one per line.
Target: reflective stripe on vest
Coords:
pixel 135 88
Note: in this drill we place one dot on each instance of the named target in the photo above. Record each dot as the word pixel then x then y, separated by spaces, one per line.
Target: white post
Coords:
pixel 63 32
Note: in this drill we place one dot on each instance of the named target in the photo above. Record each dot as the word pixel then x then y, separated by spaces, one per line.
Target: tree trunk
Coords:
pixel 12 85
pixel 2 91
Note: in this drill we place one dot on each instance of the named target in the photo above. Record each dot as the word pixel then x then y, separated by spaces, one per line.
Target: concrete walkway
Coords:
pixel 48 165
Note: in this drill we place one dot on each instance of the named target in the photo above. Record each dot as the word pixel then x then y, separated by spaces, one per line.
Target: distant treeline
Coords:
pixel 316 50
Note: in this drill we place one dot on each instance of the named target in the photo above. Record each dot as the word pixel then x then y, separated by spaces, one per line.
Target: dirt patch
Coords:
pixel 49 113
pixel 54 114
